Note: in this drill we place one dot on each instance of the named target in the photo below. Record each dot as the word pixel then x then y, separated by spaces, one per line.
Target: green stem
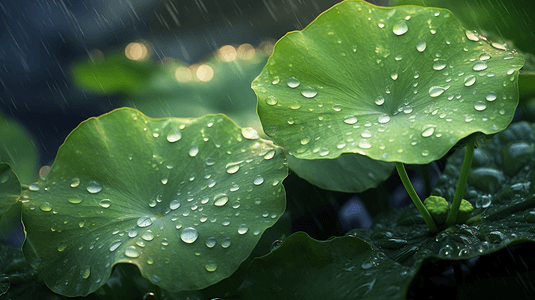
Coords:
pixel 25 187
pixel 414 197
pixel 461 185
pixel 428 185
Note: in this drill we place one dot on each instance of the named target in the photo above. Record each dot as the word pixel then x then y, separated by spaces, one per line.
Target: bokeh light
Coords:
pixel 204 73
pixel 246 51
pixel 138 51
pixel 183 74
pixel 227 53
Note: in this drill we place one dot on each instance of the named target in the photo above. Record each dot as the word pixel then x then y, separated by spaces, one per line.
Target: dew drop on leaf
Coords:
pixel 147 236
pixel 105 203
pixel 233 168
pixel 75 182
pixel 86 272
pixel 94 187
pixel 479 66
pixel 400 27
pixel 34 187
pixel 480 106
pixel 350 120
pixel 469 80
pixel 115 245
pixel 75 200
pixel 309 92
pixel 436 91
pixel 62 247
pixel 220 199
pixel 491 96
pixel 484 56
pixel 144 222
pixel 428 131
pixel 211 266
pixel 364 144
pixel 45 206
pixel 384 118
pixel 174 204
pixel 155 278
pixel 472 35
pixel 243 229
pixel 293 82
pixel 174 136
pixel 210 242
pixel 131 251
pixel 132 232
pixel 193 150
pixel 249 133
pixel 225 243
pixel 258 180
pixel 189 235
pixel 439 64
pixel 421 45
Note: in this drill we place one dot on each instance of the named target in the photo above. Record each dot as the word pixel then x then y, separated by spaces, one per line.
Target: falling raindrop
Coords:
pixel 193 150
pixel 189 235
pixel 144 222
pixel 421 45
pixel 293 82
pixel 400 27
pixel 94 187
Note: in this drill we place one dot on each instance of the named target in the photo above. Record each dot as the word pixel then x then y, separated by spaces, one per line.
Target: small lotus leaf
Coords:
pixel 185 200
pixel 395 84
pixel 9 187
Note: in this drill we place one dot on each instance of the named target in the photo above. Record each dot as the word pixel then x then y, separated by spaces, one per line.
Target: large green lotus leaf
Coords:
pixel 347 173
pixel 18 149
pixel 185 200
pixel 9 187
pixel 511 19
pixel 395 84
pixel 339 268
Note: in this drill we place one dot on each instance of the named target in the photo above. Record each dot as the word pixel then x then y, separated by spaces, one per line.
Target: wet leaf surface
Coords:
pixel 185 200
pixel 349 83
pixel 10 189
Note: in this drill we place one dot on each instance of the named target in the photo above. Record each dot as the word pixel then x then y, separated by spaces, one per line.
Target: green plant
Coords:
pixel 361 90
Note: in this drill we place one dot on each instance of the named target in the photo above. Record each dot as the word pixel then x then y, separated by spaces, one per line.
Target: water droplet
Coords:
pixel 508 56
pixel 34 187
pixel 305 140
pixel 384 118
pixel 189 235
pixel 233 167
pixel 394 76
pixel 62 247
pixel 364 144
pixel 400 27
pixel 94 187
pixel 258 180
pixel 421 45
pixel 45 206
pixel 249 133
pixel 75 182
pixel 439 64
pixel 337 107
pixel 425 153
pixel 105 203
pixel 428 131
pixel 144 222
pixel 193 150
pixel 436 91
pixel 174 204
pixel 350 120
pixel 472 35
pixel 480 105
pixel 366 134
pixel 225 243
pixel 155 278
pixel 164 180
pixel 469 80
pixel 479 66
pixel 484 56
pixel 131 251
pixel 210 242
pixel 211 266
pixel 86 272
pixel 271 101
pixel 220 199
pixel 293 82
pixel 380 100
pixel 115 245
pixel 381 25
pixel 132 232
pixel 75 200
pixel 147 236
pixel 366 265
pixel 491 96
pixel 309 92
pixel 242 229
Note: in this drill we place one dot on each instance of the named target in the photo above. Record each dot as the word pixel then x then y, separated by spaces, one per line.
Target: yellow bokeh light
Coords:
pixel 136 51
pixel 227 53
pixel 267 47
pixel 246 51
pixel 183 74
pixel 204 73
